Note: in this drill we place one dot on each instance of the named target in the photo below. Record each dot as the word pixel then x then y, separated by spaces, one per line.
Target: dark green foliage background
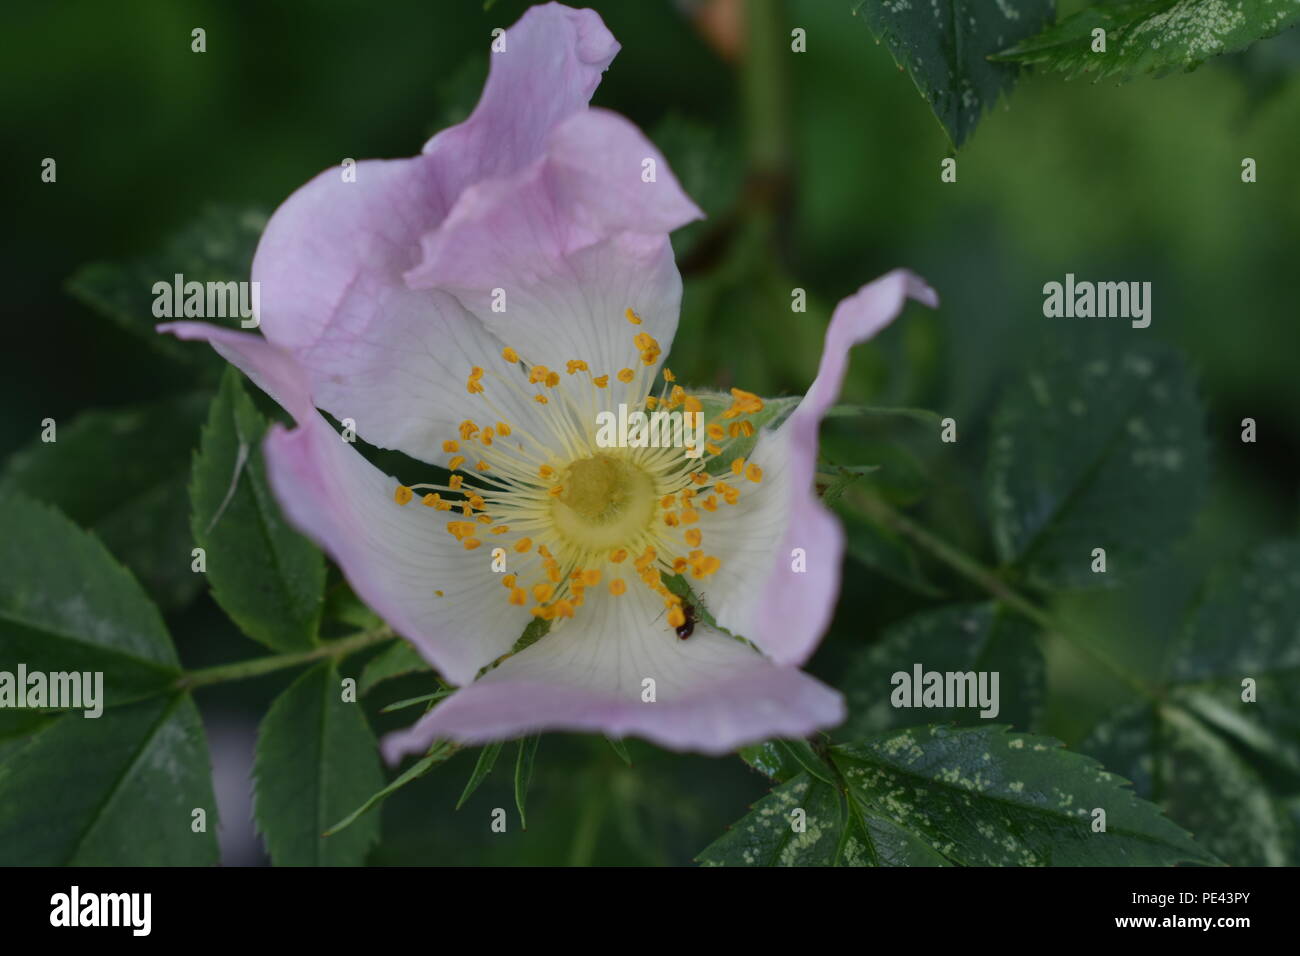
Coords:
pixel 1132 182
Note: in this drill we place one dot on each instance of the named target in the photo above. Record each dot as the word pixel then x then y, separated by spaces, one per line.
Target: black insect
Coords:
pixel 687 627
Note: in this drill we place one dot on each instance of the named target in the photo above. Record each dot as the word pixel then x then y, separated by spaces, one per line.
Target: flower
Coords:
pixel 477 306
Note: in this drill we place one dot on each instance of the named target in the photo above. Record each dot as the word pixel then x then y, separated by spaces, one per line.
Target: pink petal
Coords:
pixel 757 592
pixel 712 692
pixel 550 259
pixel 331 260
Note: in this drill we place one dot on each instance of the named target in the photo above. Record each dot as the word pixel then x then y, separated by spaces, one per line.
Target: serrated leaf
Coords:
pixel 264 574
pixel 1100 450
pixel 487 759
pixel 137 507
pixel 397 659
pixel 1152 36
pixel 962 639
pixel 66 605
pixel 984 797
pixel 118 790
pixel 216 247
pixel 945 44
pixel 768 836
pixel 1204 753
pixel 437 754
pixel 316 760
pixel 524 773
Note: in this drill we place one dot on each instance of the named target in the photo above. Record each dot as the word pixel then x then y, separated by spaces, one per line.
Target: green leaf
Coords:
pixel 1214 761
pixel 487 759
pixel 216 247
pixel 984 797
pixel 772 760
pixel 395 660
pixel 316 759
pixel 802 753
pixel 886 553
pixel 620 747
pixel 1152 36
pixel 945 44
pixel 437 754
pixel 768 836
pixel 524 773
pixel 66 605
pixel 1101 450
pixel 962 638
pixel 137 507
pixel 264 574
pixel 118 790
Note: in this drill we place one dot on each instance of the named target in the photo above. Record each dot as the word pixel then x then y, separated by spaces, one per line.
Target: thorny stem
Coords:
pixel 878 510
pixel 241 670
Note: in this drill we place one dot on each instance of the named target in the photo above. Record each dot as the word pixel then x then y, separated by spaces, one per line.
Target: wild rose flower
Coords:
pixel 476 307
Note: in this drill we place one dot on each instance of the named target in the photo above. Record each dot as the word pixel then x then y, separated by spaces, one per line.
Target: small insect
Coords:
pixel 687 627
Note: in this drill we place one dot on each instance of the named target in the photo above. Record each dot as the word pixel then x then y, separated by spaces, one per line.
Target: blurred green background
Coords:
pixel 1126 182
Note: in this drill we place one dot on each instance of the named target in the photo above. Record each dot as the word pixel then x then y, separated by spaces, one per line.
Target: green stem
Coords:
pixel 878 510
pixel 242 670
pixel 764 87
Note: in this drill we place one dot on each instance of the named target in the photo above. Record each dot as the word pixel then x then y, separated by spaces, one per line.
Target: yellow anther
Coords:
pixel 626 375
pixel 747 429
pixel 476 502
pixel 499 529
pixel 686 495
pixel 482 466
pixel 552 379
pixel 466 510
pixel 700 477
pixel 546 471
pixel 647 558
pixel 651 402
pixel 439 593
pixel 455 481
pixel 667 501
pixel 508 581
pixel 563 608
pixel 693 405
pixel 541 400
pixel 715 432
pixel 679 565
pixel 632 317
pixel 468 429
pixel 710 503
pixel 469 544
pixel 670 519
pixel 431 500
pixel 600 381
pixel 676 617
pixel 546 613
pixel 705 566
pixel 450 446
pixel 754 473
pixel 553 573
pixel 675 396
pixel 510 355
pixel 690 516
pixel 475 374
pixel 650 356
pixel 590 577
pixel 668 374
pixel 523 544
pixel 645 341
pixel 503 429
pixel 484 519
pixel 486 437
pixel 737 465
pixel 619 556
pixel 556 491
pixel 712 449
pixel 473 387
pixel 617 586
pixel 518 596
pixel 456 462
pixel 573 366
pixel 542 593
pixel 543 551
pixel 403 494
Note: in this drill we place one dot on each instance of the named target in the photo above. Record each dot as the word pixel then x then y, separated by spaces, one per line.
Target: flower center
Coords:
pixel 564 513
pixel 606 501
